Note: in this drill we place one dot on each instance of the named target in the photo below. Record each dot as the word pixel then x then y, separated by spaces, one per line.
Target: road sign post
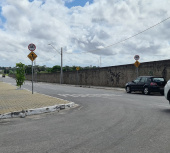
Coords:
pixel 136 57
pixel 137 65
pixel 32 77
pixel 32 56
pixel 77 68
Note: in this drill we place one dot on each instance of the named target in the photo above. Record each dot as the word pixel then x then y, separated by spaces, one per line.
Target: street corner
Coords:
pixel 48 109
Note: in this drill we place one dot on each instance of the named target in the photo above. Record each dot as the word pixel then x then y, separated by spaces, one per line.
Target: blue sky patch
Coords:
pixel 43 1
pixel 2 18
pixel 77 3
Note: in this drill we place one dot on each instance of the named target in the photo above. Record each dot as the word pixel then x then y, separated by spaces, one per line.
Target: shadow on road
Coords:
pixel 167 110
pixel 151 94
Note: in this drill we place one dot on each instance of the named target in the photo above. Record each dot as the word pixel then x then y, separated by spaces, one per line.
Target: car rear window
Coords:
pixel 158 79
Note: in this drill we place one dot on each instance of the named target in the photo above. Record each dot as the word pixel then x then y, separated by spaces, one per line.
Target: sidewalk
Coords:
pixel 20 102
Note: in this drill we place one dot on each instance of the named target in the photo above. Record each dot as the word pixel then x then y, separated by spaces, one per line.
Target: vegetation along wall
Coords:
pixel 115 76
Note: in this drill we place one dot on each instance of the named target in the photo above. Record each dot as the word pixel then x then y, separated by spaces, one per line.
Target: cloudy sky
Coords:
pixel 89 31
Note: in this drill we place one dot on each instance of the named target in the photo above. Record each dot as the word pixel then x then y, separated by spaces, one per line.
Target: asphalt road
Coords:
pixel 106 121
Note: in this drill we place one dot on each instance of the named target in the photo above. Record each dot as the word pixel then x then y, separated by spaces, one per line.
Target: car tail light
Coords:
pixel 153 84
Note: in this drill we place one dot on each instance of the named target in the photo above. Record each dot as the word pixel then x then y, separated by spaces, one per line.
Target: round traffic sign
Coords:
pixel 31 47
pixel 136 57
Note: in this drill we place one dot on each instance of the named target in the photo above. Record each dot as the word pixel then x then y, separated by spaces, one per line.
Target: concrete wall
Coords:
pixel 115 76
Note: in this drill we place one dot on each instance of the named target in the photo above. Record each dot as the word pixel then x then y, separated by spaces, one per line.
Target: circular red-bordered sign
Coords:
pixel 136 57
pixel 31 47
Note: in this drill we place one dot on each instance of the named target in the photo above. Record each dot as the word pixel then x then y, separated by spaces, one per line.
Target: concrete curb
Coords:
pixel 106 88
pixel 89 86
pixel 29 112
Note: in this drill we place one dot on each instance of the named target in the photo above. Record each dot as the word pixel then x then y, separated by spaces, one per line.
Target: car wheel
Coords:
pixel 146 91
pixel 128 90
pixel 168 96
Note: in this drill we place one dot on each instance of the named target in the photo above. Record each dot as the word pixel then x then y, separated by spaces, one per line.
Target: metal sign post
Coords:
pixel 77 68
pixel 32 77
pixel 136 57
pixel 32 56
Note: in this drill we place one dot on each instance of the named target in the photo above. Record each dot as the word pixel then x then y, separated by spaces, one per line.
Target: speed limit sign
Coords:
pixel 136 57
pixel 31 47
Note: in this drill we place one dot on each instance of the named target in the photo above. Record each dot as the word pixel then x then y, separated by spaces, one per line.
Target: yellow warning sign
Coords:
pixel 77 68
pixel 137 64
pixel 32 56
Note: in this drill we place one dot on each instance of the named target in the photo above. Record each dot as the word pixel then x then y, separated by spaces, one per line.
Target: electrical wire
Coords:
pixel 116 42
pixel 124 39
pixel 131 36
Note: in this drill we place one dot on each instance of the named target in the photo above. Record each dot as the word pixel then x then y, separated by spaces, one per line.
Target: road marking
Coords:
pixel 88 95
pixel 163 105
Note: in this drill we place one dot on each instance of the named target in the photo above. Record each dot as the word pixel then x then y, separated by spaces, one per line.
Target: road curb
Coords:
pixel 106 88
pixel 89 86
pixel 29 112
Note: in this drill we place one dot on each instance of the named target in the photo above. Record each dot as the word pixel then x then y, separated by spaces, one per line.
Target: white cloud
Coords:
pixel 69 1
pixel 84 29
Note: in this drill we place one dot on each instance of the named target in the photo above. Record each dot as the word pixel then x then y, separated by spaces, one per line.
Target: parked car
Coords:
pixel 146 84
pixel 167 91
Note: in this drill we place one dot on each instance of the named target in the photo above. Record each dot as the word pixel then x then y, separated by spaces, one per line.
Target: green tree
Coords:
pixel 28 69
pixel 11 72
pixel 66 68
pixel 56 68
pixel 41 68
pixel 73 68
pixel 20 74
pixel 48 69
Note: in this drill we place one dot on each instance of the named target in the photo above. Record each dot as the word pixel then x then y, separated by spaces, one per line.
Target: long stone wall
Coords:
pixel 115 76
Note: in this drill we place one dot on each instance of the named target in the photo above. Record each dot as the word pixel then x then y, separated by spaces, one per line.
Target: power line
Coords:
pixel 121 40
pixel 124 39
pixel 131 36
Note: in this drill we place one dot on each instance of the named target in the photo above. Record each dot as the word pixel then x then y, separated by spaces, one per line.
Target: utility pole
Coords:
pixel 61 53
pixel 100 60
pixel 61 77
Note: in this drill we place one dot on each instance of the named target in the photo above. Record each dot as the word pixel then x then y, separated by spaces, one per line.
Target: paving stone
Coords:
pixel 14 100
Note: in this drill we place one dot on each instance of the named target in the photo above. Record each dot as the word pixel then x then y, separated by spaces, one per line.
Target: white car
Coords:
pixel 167 91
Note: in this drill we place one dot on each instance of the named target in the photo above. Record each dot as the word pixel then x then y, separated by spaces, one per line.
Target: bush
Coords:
pixel 20 74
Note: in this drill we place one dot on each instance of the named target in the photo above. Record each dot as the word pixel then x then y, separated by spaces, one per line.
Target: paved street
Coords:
pixel 106 121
